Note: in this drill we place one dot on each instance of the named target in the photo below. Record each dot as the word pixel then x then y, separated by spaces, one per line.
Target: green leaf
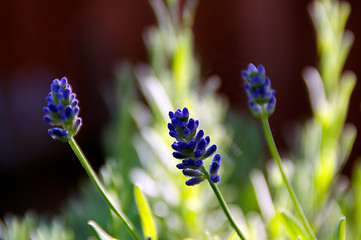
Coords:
pixel 292 225
pixel 99 232
pixel 346 143
pixel 182 65
pixel 344 13
pixel 233 236
pixel 149 229
pixel 341 229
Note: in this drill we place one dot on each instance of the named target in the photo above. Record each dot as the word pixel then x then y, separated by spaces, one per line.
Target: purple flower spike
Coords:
pixel 191 147
pixel 261 96
pixel 62 111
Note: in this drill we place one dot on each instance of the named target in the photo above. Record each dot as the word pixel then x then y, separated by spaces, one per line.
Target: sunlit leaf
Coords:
pixel 99 232
pixel 292 225
pixel 341 229
pixel 149 229
pixel 233 236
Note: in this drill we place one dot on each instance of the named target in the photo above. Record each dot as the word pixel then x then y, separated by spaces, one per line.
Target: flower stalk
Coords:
pixel 101 189
pixel 291 192
pixel 222 203
pixel 61 113
pixel 192 148
pixel 262 102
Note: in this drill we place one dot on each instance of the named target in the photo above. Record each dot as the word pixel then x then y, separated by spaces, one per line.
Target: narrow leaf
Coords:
pixel 292 225
pixel 99 232
pixel 341 229
pixel 262 194
pixel 347 139
pixel 233 236
pixel 149 229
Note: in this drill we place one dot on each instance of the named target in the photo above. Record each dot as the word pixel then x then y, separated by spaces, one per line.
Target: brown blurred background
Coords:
pixel 84 40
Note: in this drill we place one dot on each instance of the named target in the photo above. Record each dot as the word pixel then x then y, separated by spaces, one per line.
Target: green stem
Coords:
pixel 223 204
pixel 276 156
pixel 101 189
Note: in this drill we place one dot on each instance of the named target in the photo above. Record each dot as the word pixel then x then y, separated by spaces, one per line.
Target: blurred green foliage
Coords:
pixel 137 147
pixel 31 227
pixel 324 143
pixel 171 80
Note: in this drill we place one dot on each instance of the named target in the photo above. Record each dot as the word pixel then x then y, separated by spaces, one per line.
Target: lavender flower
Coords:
pixel 262 100
pixel 191 147
pixel 62 111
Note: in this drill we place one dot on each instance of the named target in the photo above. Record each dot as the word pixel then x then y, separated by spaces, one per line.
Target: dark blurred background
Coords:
pixel 85 40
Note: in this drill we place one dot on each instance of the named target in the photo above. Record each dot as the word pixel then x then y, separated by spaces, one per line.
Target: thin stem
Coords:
pixel 276 156
pixel 223 204
pixel 101 189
